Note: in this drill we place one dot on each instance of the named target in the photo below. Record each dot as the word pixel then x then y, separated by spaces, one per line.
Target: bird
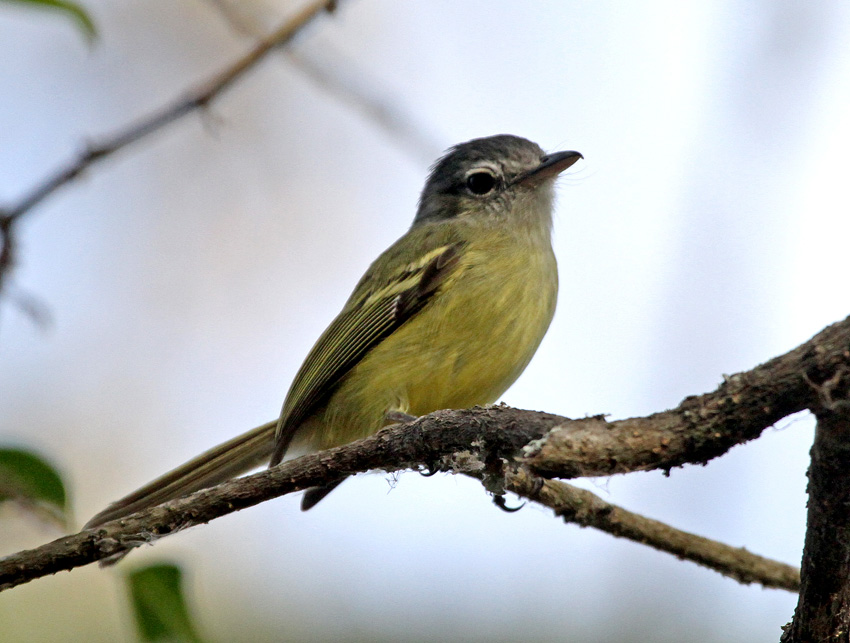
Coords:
pixel 447 317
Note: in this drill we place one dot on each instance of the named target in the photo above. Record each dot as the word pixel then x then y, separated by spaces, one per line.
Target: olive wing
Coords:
pixel 365 321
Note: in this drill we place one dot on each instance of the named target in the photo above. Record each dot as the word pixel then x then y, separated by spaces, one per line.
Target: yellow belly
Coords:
pixel 466 347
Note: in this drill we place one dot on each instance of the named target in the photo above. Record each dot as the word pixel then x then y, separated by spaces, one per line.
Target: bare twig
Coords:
pixel 194 99
pixel 489 443
pixel 336 75
pixel 339 78
pixel 586 509
pixel 8 246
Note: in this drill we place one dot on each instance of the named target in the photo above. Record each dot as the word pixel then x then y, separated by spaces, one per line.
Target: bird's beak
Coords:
pixel 550 165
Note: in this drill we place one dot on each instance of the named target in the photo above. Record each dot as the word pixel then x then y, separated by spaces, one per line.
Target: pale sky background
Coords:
pixel 188 276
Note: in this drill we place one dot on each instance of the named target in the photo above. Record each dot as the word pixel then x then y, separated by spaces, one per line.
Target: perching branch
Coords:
pixel 494 444
pixel 702 427
pixel 441 441
pixel 192 100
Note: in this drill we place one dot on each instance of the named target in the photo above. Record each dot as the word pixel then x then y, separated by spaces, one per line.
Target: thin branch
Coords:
pixel 489 443
pixel 8 247
pixel 194 99
pixel 336 75
pixel 586 509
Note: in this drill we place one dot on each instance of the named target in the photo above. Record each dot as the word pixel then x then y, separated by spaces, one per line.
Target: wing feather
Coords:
pixel 365 321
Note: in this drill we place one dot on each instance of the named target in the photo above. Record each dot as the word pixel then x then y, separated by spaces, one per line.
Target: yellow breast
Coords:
pixel 465 347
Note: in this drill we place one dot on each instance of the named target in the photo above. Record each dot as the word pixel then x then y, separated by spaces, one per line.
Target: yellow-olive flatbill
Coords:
pixel 447 317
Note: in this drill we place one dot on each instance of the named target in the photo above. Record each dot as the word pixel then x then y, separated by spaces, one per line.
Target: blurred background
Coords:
pixel 188 276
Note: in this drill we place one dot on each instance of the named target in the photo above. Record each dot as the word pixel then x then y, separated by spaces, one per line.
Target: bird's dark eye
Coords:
pixel 480 183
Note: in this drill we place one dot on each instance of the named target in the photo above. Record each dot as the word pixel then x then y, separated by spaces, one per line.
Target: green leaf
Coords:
pixel 28 479
pixel 74 10
pixel 159 605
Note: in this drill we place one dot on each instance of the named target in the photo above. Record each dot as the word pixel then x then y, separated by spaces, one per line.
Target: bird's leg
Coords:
pixel 398 417
pixel 395 416
pixel 500 502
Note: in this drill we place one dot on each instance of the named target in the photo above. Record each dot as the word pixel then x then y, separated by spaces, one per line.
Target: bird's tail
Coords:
pixel 223 462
